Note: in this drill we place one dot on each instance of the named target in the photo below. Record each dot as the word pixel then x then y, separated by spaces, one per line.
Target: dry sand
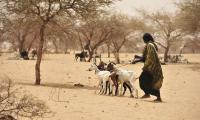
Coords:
pixel 180 91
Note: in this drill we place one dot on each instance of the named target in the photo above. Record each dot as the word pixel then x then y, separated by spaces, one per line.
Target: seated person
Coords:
pixel 24 55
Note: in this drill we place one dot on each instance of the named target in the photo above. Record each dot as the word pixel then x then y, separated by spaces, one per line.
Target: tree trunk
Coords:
pixel 31 43
pixel 193 51
pixel 181 50
pixel 20 47
pixel 39 55
pixel 55 46
pixel 22 42
pixel 166 53
pixel 91 53
pixel 116 54
pixel 66 47
pixel 108 46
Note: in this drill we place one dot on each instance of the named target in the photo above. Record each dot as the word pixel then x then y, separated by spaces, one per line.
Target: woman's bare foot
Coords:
pixel 158 100
pixel 145 96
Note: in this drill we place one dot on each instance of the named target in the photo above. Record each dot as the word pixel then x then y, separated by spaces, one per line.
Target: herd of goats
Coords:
pixel 110 77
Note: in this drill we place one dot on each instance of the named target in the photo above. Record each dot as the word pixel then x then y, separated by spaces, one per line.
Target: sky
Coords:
pixel 128 6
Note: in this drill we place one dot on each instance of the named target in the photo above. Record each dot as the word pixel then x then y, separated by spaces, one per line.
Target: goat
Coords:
pixel 124 76
pixel 101 66
pixel 115 81
pixel 81 55
pixel 103 77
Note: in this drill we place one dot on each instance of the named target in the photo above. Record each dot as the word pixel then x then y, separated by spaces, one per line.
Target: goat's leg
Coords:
pixel 100 87
pixel 130 87
pixel 116 89
pixel 104 87
pixel 132 81
pixel 75 58
pixel 121 89
pixel 111 87
pixel 108 87
pixel 124 85
pixel 134 89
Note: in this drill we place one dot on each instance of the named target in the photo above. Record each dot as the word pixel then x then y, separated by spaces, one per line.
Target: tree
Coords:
pixel 124 29
pixel 188 20
pixel 21 32
pixel 94 32
pixel 47 10
pixel 60 35
pixel 120 33
pixel 165 29
pixel 189 15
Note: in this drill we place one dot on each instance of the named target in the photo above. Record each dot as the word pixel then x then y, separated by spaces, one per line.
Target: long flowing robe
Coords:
pixel 152 64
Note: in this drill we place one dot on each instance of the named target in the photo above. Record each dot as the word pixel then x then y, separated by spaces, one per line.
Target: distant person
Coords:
pixel 151 78
pixel 83 56
pixel 24 54
pixel 33 53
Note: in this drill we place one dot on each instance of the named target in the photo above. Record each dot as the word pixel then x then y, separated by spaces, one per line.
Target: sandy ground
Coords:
pixel 180 91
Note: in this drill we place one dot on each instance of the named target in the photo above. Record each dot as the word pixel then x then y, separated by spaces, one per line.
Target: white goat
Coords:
pixel 124 76
pixel 103 77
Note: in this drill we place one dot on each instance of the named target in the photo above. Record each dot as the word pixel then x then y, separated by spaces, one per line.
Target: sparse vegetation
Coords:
pixel 15 103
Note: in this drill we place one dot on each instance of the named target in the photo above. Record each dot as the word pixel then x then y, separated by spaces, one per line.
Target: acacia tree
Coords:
pixel 188 20
pixel 94 33
pixel 189 15
pixel 60 35
pixel 165 29
pixel 119 34
pixel 47 10
pixel 21 32
pixel 123 31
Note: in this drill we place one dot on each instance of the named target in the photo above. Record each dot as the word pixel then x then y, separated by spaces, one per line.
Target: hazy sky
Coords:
pixel 128 6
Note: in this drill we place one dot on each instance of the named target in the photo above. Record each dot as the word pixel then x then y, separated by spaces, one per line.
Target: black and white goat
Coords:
pixel 124 76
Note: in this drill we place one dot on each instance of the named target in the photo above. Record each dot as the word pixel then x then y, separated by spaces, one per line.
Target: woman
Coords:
pixel 151 77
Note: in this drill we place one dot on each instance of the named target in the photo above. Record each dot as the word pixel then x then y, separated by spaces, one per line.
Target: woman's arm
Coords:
pixel 138 59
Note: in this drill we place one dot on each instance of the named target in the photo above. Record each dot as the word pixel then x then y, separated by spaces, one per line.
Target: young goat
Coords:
pixel 103 77
pixel 124 76
pixel 115 82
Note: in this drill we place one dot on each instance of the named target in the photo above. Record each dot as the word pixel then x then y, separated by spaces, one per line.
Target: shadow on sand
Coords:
pixel 152 101
pixel 58 85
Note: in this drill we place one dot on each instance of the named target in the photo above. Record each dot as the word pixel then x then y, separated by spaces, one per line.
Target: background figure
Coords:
pixel 151 77
pixel 24 54
pixel 33 53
